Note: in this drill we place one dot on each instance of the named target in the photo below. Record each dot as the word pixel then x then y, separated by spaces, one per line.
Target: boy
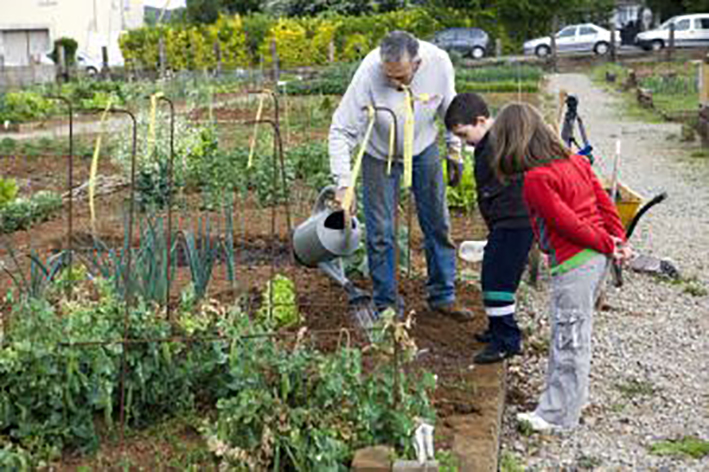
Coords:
pixel 510 234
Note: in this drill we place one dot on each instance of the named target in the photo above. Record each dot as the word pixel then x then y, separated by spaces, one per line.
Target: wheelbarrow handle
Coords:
pixel 616 268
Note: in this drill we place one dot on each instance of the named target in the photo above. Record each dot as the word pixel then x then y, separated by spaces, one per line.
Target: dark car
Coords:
pixel 470 42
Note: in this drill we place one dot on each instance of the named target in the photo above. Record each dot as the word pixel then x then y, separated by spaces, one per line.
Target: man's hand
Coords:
pixel 454 165
pixel 340 199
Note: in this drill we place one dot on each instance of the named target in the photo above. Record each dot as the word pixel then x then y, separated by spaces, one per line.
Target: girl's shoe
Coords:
pixel 536 422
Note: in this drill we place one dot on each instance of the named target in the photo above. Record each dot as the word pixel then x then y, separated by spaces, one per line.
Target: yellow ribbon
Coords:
pixel 392 135
pixel 408 137
pixel 94 166
pixel 151 124
pixel 349 195
pixel 254 136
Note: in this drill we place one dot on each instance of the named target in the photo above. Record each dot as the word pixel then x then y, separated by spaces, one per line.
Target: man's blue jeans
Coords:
pixel 379 196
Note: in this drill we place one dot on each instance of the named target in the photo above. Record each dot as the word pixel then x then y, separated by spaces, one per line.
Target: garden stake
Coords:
pixel 70 188
pixel 170 183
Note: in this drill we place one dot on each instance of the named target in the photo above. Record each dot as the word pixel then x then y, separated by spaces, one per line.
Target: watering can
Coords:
pixel 325 235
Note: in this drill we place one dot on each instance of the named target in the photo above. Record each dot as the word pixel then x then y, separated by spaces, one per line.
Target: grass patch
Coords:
pixel 588 462
pixel 525 428
pixel 510 462
pixel 633 388
pixel 687 446
pixel 447 461
pixel 700 154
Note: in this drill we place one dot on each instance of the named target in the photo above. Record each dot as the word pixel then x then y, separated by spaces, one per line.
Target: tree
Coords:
pixel 241 7
pixel 203 11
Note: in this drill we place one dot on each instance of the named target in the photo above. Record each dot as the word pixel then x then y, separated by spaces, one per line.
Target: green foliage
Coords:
pixel 688 445
pixel 632 388
pixel 8 191
pixel 499 79
pixel 202 251
pixel 510 462
pixel 23 212
pixel 52 396
pixel 70 46
pixel 302 410
pixel 463 196
pixel 279 308
pixel 41 273
pixel 332 80
pixel 25 105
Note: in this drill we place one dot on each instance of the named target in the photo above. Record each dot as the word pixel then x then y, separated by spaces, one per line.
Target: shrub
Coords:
pixel 23 212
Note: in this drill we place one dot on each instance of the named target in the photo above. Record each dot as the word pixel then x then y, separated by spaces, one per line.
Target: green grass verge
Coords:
pixel 687 446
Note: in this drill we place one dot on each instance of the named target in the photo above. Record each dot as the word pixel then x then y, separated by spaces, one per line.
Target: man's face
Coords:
pixel 400 73
pixel 471 133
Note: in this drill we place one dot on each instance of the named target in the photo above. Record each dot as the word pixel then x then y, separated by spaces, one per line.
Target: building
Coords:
pixel 28 28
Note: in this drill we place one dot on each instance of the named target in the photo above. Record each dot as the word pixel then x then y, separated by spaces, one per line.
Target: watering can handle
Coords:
pixel 327 193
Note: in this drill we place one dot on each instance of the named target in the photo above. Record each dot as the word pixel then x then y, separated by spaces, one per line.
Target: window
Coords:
pixel 587 30
pixel 682 25
pixel 569 32
pixel 701 23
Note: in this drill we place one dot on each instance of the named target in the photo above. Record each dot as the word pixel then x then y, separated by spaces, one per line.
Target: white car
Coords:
pixel 574 38
pixel 690 31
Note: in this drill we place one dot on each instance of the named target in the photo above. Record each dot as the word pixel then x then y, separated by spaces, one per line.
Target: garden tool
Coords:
pixel 323 239
pixel 325 236
pixel 567 134
pixel 363 310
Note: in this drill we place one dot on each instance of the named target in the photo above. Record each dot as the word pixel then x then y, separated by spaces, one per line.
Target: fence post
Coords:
pixel 274 56
pixel 671 45
pixel 218 57
pixel 161 57
pixel 331 51
pixel 105 72
pixel 704 81
pixel 554 27
pixel 62 67
pixel 498 47
pixel 613 51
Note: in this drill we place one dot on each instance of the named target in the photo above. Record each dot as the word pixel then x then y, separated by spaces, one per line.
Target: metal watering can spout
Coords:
pixel 327 234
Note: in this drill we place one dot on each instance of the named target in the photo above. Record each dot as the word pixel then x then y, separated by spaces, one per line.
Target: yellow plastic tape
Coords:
pixel 152 141
pixel 94 167
pixel 408 137
pixel 252 145
pixel 349 196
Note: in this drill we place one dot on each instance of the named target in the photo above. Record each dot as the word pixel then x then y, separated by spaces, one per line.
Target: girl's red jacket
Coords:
pixel 572 215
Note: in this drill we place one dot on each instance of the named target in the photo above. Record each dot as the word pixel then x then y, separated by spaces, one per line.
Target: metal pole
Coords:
pixel 170 183
pixel 70 188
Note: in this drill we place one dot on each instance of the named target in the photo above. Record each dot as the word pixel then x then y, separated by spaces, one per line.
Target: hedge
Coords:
pixel 246 41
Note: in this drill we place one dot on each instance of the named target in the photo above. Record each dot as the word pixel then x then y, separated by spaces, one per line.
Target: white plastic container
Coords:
pixel 472 251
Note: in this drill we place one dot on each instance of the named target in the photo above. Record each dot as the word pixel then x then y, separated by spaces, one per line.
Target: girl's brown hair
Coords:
pixel 522 140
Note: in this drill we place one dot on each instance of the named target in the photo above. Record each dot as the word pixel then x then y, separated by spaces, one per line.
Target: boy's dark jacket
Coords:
pixel 501 205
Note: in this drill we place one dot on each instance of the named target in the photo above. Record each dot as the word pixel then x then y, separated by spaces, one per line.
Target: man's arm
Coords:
pixel 349 123
pixel 448 72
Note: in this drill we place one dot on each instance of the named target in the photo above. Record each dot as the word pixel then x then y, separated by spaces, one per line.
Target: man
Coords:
pixel 402 64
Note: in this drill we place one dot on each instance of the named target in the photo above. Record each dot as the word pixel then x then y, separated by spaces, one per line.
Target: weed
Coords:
pixel 588 462
pixel 618 407
pixel 539 345
pixel 688 445
pixel 447 461
pixel 700 154
pixel 693 286
pixel 632 388
pixel 525 428
pixel 510 462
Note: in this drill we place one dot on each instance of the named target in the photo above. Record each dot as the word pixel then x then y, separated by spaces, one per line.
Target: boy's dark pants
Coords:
pixel 503 264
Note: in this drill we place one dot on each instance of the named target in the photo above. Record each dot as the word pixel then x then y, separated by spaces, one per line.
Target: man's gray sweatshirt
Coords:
pixel 434 80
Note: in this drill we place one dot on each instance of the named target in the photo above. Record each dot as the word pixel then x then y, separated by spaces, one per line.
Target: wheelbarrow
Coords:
pixel 628 202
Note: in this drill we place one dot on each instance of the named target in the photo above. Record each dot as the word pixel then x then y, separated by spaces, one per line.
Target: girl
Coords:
pixel 576 223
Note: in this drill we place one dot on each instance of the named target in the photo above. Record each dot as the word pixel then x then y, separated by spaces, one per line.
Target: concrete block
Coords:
pixel 373 459
pixel 415 466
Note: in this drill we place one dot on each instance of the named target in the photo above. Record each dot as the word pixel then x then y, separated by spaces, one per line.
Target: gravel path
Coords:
pixel 650 376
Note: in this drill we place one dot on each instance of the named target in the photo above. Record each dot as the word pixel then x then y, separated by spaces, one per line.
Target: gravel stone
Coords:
pixel 650 376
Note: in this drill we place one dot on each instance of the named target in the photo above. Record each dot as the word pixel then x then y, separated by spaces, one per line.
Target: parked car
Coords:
pixel 574 38
pixel 470 42
pixel 690 31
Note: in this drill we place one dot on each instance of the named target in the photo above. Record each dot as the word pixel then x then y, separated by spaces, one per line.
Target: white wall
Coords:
pixel 92 23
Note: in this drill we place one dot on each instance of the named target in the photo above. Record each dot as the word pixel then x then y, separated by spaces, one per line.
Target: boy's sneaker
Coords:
pixel 536 422
pixel 484 337
pixel 494 352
